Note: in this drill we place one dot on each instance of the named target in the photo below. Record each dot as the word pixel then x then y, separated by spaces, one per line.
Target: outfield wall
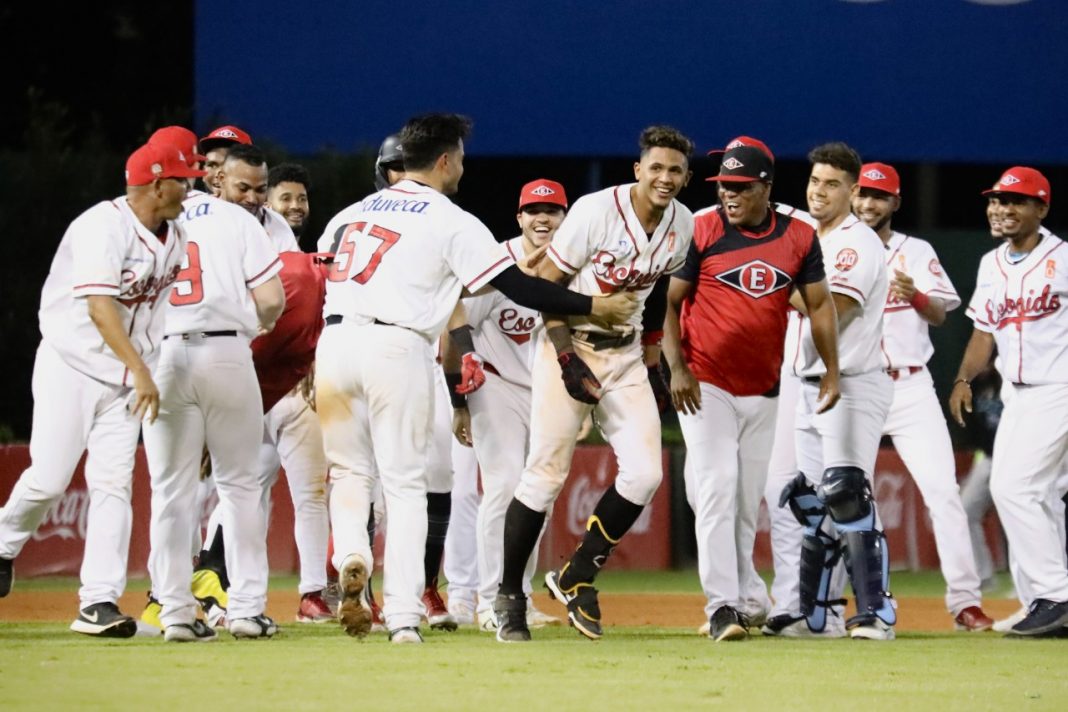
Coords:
pixel 662 537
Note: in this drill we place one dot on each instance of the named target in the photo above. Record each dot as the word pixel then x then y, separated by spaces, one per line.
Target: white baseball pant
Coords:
pixel 375 396
pixel 786 532
pixel 208 395
pixel 728 443
pixel 461 542
pixel 918 429
pixel 73 412
pixel 976 500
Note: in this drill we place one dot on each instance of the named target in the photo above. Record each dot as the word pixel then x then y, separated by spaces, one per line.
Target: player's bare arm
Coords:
pixel 270 299
pixel 685 391
pixel 104 311
pixel 847 309
pixel 931 309
pixel 976 357
pixel 823 314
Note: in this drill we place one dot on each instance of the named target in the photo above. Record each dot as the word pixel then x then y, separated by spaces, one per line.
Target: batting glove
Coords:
pixel 471 374
pixel 579 380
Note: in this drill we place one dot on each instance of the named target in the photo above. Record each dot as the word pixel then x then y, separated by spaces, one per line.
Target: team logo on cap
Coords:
pixel 156 169
pixel 732 163
pixel 756 279
pixel 734 144
pixel 874 174
pixel 226 133
pixel 1009 180
pixel 542 190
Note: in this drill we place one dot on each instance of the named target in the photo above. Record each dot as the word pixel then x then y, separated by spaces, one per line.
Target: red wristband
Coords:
pixel 919 301
pixel 652 338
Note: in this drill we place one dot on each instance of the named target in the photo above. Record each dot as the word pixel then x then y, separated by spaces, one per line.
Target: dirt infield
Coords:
pixel 635 609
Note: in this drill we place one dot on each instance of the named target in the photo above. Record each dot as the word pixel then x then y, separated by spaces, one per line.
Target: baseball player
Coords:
pixel 215 147
pixel 920 295
pixel 728 306
pixel 287 194
pixel 495 419
pixel 101 326
pixel 242 180
pixel 836 449
pixel 1017 308
pixel 227 293
pixel 621 239
pixel 404 256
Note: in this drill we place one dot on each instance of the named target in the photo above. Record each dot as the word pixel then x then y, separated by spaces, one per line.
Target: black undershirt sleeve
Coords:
pixel 540 294
pixel 656 306
pixel 812 265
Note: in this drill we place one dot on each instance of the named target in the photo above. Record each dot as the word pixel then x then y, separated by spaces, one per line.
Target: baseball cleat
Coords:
pixel 1005 624
pixel 252 627
pixel 538 619
pixel 870 627
pixel 487 621
pixel 207 588
pixel 195 632
pixel 511 618
pixel 150 616
pixel 437 615
pixel 1043 617
pixel 104 620
pixel 462 611
pixel 727 624
pixel 7 576
pixel 786 625
pixel 313 609
pixel 973 620
pixel 583 609
pixel 353 612
pixel 407 634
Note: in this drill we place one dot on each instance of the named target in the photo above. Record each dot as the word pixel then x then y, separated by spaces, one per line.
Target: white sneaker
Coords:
pixel 1005 624
pixel 463 611
pixel 195 632
pixel 537 619
pixel 487 621
pixel 835 628
pixel 876 630
pixel 405 635
pixel 253 627
pixel 703 629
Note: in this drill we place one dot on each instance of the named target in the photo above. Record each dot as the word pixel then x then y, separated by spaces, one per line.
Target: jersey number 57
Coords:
pixel 345 249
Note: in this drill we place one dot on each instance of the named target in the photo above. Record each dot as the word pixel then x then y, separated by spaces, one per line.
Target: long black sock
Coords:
pixel 611 519
pixel 438 510
pixel 522 526
pixel 214 558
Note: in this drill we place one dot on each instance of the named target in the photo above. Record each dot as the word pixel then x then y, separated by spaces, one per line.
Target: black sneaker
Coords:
pixel 776 624
pixel 105 620
pixel 583 610
pixel 511 612
pixel 195 632
pixel 7 576
pixel 727 624
pixel 1043 617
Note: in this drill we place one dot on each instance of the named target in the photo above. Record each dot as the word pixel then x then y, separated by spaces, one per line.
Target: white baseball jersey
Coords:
pixel 603 245
pixel 107 251
pixel 278 231
pixel 403 255
pixel 228 255
pixel 1020 304
pixel 854 258
pixel 906 336
pixel 503 330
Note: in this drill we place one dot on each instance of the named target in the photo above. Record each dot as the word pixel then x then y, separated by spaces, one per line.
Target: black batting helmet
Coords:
pixel 390 156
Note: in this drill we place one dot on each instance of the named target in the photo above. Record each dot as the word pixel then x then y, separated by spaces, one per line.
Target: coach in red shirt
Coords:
pixel 723 339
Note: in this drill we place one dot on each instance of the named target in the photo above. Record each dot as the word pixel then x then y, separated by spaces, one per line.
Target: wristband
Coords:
pixel 452 380
pixel 652 338
pixel 919 301
pixel 965 381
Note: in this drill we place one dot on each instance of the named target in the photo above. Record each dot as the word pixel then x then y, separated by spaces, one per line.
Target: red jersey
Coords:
pixel 284 356
pixel 734 320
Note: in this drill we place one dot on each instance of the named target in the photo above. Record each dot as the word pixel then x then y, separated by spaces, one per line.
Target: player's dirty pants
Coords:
pixel 208 396
pixel 626 414
pixel 71 412
pixel 500 425
pixel 461 556
pixel 374 395
pixel 292 439
pixel 918 429
pixel 1029 450
pixel 728 443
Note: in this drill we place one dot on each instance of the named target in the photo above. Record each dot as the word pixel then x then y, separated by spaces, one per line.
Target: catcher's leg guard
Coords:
pixel 847 495
pixel 819 551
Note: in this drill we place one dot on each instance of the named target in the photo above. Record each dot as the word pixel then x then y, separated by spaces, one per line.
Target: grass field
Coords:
pixel 44 666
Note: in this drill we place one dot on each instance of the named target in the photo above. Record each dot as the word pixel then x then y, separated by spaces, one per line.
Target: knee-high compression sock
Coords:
pixel 611 519
pixel 522 527
pixel 214 558
pixel 438 510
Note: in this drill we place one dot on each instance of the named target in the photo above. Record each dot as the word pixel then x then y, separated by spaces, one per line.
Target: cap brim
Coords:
pixel 196 157
pixel 1001 191
pixel 210 144
pixel 884 191
pixel 735 179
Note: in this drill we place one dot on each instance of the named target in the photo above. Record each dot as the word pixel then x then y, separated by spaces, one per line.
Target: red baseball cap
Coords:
pixel 158 160
pixel 880 176
pixel 181 138
pixel 542 191
pixel 224 136
pixel 1021 180
pixel 745 159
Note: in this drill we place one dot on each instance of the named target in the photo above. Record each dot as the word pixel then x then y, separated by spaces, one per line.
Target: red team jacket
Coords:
pixel 737 312
pixel 284 356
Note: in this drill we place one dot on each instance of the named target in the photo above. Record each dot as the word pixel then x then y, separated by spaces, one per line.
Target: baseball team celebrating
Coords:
pixel 794 342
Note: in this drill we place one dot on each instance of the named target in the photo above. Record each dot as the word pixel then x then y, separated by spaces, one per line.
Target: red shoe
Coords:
pixel 437 615
pixel 313 609
pixel 378 621
pixel 973 620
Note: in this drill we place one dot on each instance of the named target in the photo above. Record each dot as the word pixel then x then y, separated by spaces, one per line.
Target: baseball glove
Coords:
pixel 579 380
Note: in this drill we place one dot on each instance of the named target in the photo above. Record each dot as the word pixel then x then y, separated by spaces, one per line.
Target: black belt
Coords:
pixel 337 319
pixel 812 379
pixel 600 342
pixel 202 334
